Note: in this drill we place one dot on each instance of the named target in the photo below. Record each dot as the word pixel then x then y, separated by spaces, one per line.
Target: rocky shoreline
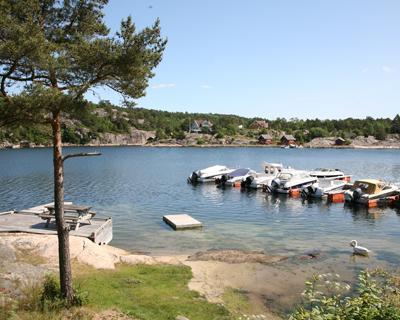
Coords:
pixel 176 145
pixel 138 138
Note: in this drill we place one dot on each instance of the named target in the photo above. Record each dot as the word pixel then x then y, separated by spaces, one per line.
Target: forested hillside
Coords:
pixel 96 119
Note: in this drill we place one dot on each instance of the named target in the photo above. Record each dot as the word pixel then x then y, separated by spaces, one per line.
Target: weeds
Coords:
pixel 376 298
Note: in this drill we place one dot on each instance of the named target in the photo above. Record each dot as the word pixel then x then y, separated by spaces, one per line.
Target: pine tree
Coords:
pixel 51 53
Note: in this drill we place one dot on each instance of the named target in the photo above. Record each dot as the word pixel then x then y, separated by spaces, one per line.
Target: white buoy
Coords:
pixel 358 249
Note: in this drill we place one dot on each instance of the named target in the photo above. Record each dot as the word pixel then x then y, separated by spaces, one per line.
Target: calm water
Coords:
pixel 137 186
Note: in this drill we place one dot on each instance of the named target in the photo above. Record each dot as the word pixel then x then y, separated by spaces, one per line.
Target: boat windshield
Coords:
pixel 239 172
pixel 285 176
pixel 368 188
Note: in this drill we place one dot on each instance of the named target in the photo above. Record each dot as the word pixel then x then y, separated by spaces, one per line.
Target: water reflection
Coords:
pixel 359 211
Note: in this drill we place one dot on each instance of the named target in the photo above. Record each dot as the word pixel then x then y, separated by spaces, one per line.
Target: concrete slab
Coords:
pixel 182 221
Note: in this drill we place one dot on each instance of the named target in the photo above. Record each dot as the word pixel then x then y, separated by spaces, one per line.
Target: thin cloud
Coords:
pixel 206 86
pixel 163 85
pixel 387 69
pixel 364 70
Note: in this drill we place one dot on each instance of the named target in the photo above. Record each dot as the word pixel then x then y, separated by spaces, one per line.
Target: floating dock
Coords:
pixel 182 221
pixel 99 230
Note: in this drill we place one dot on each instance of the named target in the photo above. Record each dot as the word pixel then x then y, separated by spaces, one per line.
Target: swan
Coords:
pixel 359 250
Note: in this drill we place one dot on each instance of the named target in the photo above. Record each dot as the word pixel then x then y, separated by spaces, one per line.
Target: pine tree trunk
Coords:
pixel 62 227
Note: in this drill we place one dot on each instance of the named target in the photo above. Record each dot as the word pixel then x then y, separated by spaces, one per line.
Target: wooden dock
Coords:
pixel 182 221
pixel 99 230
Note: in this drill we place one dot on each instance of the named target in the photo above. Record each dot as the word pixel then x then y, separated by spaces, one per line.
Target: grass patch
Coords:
pixel 149 292
pixel 142 292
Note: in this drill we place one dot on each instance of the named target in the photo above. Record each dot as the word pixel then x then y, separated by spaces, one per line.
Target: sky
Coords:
pixel 263 58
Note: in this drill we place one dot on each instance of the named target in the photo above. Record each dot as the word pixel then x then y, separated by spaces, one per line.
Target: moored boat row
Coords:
pixel 319 183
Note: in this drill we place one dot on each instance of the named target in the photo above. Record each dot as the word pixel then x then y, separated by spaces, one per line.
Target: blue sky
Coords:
pixel 304 59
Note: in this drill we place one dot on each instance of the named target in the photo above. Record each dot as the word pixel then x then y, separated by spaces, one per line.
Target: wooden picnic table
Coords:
pixel 70 208
pixel 72 213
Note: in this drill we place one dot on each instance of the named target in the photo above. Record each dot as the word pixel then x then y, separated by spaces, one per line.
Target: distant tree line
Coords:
pixel 306 130
pixel 104 117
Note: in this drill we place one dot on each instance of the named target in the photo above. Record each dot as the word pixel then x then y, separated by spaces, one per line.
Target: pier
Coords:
pixel 99 230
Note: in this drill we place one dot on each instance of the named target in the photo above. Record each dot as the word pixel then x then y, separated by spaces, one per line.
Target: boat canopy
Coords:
pixel 369 186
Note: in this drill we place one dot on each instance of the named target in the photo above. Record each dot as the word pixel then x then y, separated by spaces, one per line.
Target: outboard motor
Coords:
pixel 357 193
pixel 275 184
pixel 248 181
pixel 223 179
pixel 306 192
pixel 194 178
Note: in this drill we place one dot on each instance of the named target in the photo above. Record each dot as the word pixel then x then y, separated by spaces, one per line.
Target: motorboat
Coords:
pixel 291 179
pixel 326 173
pixel 208 174
pixel 322 187
pixel 234 177
pixel 261 179
pixel 366 190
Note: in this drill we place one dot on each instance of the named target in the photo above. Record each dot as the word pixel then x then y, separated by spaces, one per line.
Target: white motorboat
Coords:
pixel 208 174
pixel 291 179
pixel 322 187
pixel 261 179
pixel 234 177
pixel 366 190
pixel 326 173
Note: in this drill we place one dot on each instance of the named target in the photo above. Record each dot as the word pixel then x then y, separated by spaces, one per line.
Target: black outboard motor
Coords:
pixel 223 179
pixel 248 181
pixel 194 178
pixel 357 193
pixel 306 192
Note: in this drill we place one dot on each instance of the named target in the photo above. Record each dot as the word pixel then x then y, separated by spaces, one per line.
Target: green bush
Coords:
pixel 219 135
pixel 200 141
pixel 376 298
pixel 51 298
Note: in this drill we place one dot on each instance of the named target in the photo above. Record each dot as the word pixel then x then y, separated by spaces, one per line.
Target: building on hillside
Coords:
pixel 288 140
pixel 198 126
pixel 265 139
pixel 258 124
pixel 340 141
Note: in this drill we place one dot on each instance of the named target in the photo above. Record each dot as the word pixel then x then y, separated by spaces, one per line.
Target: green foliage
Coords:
pixel 348 128
pixel 395 125
pixel 200 141
pixel 219 135
pixel 175 124
pixel 179 135
pixel 373 299
pixel 318 132
pixel 51 298
pixel 160 134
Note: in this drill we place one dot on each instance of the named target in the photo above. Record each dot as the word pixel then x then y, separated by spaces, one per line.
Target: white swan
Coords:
pixel 359 250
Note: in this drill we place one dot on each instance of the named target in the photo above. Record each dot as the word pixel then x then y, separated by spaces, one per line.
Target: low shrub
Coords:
pixel 51 298
pixel 376 297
